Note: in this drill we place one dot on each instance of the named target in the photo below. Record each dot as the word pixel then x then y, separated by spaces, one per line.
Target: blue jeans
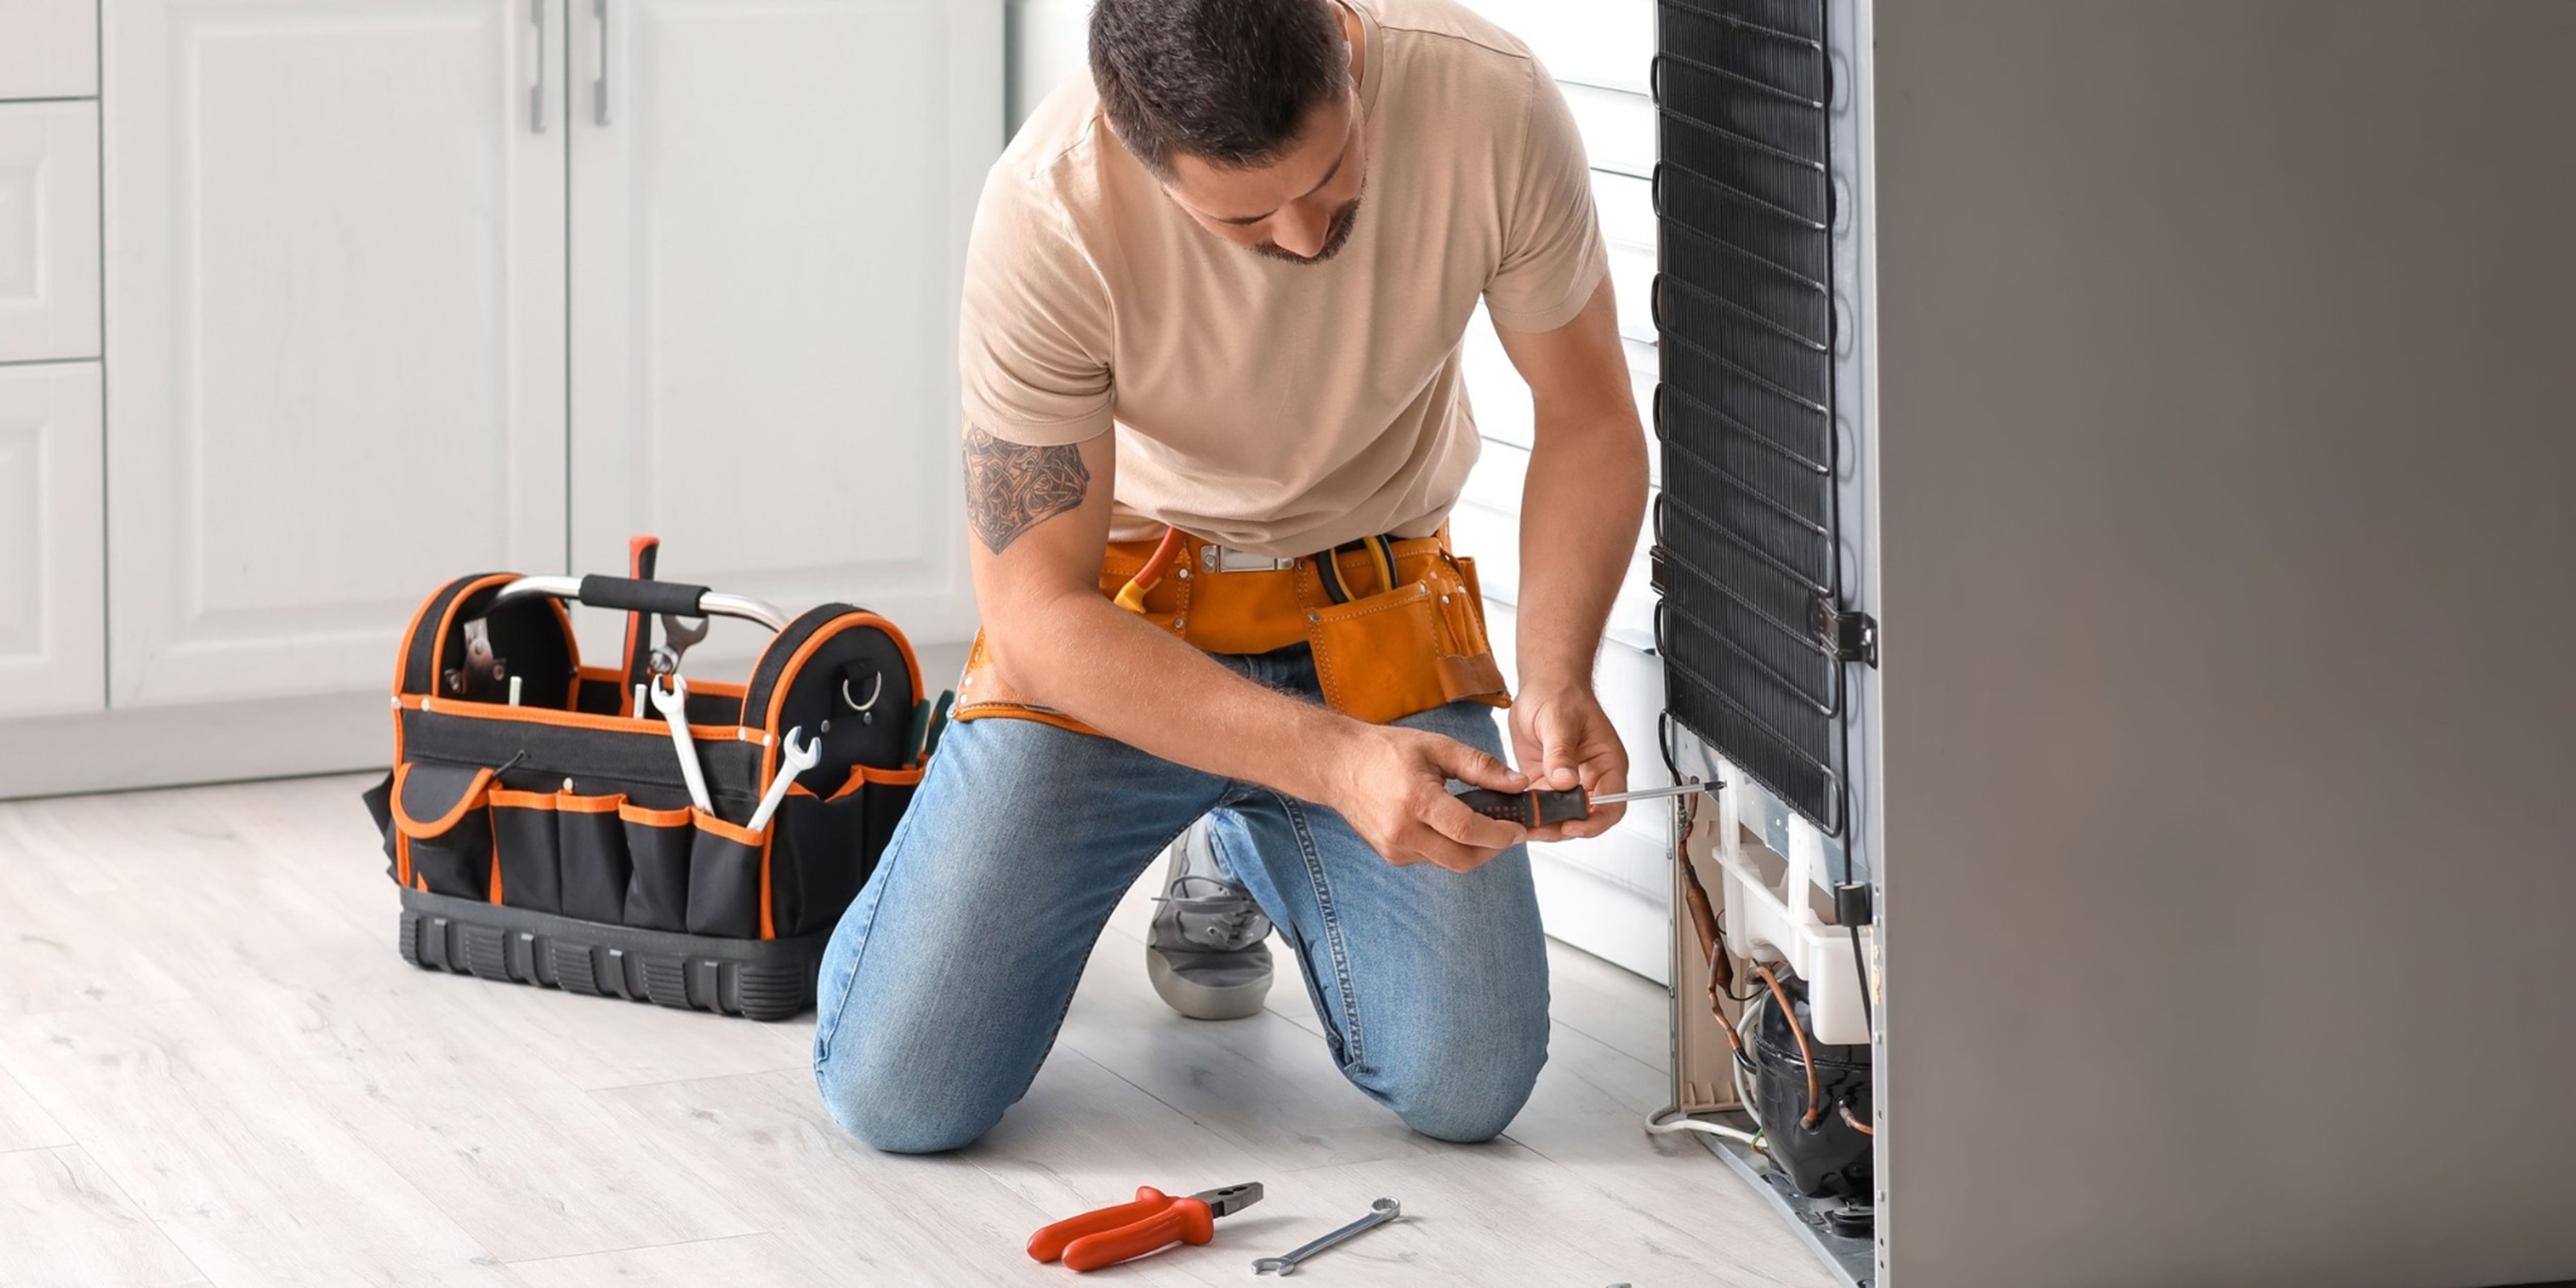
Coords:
pixel 949 976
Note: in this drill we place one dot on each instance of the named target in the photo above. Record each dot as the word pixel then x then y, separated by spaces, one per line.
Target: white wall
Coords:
pixel 2226 389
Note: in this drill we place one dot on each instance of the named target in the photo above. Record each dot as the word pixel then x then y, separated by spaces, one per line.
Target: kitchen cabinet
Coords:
pixel 49 49
pixel 48 231
pixel 51 653
pixel 396 290
pixel 763 300
pixel 335 354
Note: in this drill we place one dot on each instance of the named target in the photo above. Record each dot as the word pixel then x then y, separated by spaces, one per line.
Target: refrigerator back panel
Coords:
pixel 1754 625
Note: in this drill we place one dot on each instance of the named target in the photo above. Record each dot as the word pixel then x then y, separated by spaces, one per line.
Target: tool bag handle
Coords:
pixel 628 594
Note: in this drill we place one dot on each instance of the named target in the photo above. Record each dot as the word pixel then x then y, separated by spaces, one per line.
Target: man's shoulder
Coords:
pixel 1450 32
pixel 1054 158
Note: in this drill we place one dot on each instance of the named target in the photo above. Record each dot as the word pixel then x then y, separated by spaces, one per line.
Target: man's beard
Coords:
pixel 1344 220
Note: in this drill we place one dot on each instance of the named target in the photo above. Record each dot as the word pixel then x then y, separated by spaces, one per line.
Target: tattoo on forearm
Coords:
pixel 1011 488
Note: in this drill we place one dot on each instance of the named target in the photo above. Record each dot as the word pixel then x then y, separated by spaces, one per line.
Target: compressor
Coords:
pixel 1812 1100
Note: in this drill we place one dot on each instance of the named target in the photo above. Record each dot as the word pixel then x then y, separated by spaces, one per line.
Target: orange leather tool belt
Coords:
pixel 1386 653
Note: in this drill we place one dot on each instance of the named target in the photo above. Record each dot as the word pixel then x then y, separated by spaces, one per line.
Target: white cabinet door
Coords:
pixel 768 230
pixel 48 48
pixel 48 231
pixel 52 645
pixel 336 321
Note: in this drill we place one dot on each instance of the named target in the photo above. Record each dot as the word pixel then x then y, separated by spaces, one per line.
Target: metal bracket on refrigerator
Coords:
pixel 1850 635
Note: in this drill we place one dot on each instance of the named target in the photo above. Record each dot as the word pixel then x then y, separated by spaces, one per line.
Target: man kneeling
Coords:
pixel 1213 312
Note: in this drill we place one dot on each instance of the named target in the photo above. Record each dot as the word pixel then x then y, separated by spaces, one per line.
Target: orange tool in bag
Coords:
pixel 1397 624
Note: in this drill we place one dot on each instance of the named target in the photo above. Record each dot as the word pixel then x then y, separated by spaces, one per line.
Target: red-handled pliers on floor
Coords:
pixel 1155 1220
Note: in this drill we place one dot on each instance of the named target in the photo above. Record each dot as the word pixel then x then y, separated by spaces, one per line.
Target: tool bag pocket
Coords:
pixel 727 864
pixel 526 872
pixel 442 828
pixel 657 852
pixel 591 845
pixel 560 852
pixel 889 793
pixel 825 847
pixel 820 838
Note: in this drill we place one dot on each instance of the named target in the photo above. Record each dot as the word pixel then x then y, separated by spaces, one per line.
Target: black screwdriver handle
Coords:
pixel 1529 809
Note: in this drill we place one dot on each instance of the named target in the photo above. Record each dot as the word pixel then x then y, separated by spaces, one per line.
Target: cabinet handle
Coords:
pixel 599 88
pixel 537 92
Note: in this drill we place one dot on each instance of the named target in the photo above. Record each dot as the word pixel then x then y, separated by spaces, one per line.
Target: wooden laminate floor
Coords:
pixel 214 1069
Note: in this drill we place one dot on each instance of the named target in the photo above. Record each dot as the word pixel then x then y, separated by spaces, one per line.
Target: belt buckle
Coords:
pixel 1215 558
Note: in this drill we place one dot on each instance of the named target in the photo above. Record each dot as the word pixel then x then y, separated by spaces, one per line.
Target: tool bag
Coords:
pixel 542 833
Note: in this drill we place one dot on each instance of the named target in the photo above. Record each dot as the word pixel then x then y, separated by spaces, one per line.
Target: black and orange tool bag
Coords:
pixel 543 833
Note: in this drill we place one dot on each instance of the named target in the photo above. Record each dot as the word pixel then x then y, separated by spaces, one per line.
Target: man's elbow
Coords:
pixel 1025 628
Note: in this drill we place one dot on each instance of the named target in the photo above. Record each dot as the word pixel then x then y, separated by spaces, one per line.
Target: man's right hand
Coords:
pixel 1391 784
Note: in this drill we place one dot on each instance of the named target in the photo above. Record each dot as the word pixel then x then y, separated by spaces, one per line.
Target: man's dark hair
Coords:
pixel 1227 81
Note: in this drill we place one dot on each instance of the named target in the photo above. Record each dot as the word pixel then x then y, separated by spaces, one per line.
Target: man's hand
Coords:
pixel 1563 739
pixel 1391 785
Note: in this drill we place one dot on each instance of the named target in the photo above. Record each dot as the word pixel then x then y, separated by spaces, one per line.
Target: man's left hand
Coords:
pixel 1562 738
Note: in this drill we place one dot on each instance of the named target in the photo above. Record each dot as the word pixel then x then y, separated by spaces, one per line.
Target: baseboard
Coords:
pixel 1607 920
pixel 107 751
pixel 104 751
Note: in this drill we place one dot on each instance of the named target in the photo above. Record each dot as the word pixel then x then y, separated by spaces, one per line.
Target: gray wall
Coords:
pixel 2228 434
pixel 1047 44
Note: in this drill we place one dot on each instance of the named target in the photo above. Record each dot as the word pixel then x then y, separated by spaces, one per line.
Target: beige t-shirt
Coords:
pixel 1283 408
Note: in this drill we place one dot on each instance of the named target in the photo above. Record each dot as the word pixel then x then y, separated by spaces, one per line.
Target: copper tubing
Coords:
pixel 1806 1054
pixel 1854 1123
pixel 1703 917
pixel 1712 946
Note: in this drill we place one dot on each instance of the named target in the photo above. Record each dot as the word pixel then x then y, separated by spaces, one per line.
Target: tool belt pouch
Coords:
pixel 555 842
pixel 1419 646
pixel 1379 658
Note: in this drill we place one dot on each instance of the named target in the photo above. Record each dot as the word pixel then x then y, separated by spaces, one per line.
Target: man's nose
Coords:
pixel 1301 233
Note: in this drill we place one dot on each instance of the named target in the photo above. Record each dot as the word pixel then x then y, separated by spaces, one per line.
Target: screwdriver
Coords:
pixel 1540 808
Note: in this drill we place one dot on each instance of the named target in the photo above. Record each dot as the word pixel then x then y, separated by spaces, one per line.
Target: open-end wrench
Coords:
pixel 665 658
pixel 678 637
pixel 792 761
pixel 671 698
pixel 1380 1212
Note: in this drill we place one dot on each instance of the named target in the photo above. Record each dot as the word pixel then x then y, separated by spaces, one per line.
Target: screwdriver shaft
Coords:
pixel 1680 789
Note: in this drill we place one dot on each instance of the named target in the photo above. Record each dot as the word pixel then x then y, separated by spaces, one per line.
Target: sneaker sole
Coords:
pixel 1200 1002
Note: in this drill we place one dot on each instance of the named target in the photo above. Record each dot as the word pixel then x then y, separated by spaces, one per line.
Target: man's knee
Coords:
pixel 1466 1101
pixel 899 1115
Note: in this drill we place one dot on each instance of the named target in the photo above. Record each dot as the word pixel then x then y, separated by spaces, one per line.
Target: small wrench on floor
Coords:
pixel 792 761
pixel 1380 1212
pixel 671 698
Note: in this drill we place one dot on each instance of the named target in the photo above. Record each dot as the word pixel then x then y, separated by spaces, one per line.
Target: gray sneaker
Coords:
pixel 1205 953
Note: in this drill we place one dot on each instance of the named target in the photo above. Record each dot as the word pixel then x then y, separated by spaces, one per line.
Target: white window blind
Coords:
pixel 1607 896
